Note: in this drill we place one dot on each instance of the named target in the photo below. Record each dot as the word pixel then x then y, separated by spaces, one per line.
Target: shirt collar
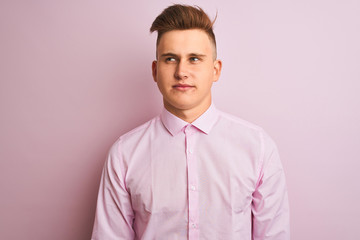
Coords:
pixel 204 123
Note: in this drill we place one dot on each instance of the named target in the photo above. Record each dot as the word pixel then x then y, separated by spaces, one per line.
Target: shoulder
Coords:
pixel 251 136
pixel 140 130
pixel 131 138
pixel 240 128
pixel 127 144
pixel 239 122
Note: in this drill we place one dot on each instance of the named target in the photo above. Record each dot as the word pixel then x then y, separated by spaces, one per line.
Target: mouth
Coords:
pixel 182 87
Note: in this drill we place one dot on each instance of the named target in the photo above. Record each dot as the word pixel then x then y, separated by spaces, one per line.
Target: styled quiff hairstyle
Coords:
pixel 183 17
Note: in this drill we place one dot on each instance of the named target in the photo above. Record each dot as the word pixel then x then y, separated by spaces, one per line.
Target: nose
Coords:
pixel 181 71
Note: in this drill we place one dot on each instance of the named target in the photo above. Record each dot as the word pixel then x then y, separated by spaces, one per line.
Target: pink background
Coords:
pixel 75 75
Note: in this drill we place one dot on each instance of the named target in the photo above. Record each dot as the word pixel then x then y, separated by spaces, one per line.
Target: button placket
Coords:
pixel 193 194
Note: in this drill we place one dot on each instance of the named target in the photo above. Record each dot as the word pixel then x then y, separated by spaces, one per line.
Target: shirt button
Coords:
pixel 192 187
pixel 190 151
pixel 193 225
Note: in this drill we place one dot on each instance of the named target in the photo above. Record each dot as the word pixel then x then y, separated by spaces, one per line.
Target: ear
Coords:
pixel 154 70
pixel 217 69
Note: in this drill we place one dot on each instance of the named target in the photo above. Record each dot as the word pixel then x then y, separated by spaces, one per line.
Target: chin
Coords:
pixel 181 105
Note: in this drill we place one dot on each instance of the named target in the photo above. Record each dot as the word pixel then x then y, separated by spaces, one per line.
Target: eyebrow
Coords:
pixel 170 54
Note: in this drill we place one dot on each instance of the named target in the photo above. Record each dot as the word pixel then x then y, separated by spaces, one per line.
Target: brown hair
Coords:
pixel 183 17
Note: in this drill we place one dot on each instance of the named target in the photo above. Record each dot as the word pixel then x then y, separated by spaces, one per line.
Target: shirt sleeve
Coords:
pixel 270 206
pixel 114 214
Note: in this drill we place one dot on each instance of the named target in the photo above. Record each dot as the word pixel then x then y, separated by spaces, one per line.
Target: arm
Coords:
pixel 114 214
pixel 270 207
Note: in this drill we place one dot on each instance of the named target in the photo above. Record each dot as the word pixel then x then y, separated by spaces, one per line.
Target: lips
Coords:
pixel 182 87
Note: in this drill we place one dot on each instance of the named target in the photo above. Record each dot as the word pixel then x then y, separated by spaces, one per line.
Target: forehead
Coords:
pixel 185 41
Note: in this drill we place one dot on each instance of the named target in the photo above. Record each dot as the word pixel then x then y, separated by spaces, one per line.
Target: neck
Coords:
pixel 188 115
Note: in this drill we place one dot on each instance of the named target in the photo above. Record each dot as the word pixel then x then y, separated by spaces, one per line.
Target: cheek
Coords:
pixel 207 70
pixel 206 76
pixel 163 80
pixel 165 74
pixel 165 68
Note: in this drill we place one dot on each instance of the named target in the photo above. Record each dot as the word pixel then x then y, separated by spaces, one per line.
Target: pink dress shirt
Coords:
pixel 219 177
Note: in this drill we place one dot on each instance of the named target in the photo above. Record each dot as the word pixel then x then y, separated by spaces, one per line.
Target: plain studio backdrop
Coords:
pixel 76 74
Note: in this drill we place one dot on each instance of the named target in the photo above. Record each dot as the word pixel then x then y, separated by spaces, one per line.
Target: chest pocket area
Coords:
pixel 160 198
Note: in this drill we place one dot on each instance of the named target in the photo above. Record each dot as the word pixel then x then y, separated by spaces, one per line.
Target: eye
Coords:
pixel 170 59
pixel 194 59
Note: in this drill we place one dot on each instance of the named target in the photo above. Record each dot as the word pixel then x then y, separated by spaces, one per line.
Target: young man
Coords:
pixel 193 172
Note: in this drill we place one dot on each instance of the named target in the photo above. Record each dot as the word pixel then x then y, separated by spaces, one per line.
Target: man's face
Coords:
pixel 185 70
